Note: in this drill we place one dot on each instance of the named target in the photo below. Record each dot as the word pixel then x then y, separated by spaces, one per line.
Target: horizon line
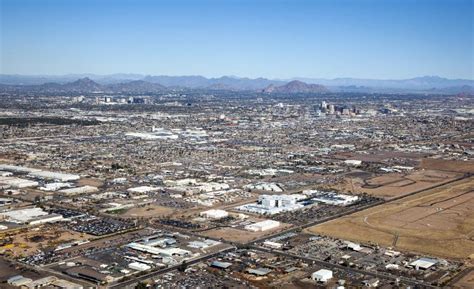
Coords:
pixel 230 76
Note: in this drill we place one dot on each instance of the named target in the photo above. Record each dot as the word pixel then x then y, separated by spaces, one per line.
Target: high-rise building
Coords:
pixel 331 109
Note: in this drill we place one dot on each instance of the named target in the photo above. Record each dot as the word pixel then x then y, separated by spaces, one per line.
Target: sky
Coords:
pixel 381 39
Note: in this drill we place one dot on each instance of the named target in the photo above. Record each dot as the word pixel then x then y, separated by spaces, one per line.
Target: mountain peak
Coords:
pixel 296 86
pixel 83 84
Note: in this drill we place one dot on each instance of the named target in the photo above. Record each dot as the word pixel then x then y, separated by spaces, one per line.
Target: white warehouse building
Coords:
pixel 323 275
pixel 16 183
pixel 214 214
pixel 262 226
pixel 273 204
pixel 62 177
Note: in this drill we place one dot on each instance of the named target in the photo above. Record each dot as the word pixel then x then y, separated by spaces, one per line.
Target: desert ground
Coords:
pixel 467 282
pixel 392 185
pixel 28 242
pixel 438 222
pixel 448 165
pixel 148 211
pixel 240 235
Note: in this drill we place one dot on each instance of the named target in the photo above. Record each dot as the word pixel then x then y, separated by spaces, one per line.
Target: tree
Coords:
pixel 141 285
pixel 182 267
pixel 37 199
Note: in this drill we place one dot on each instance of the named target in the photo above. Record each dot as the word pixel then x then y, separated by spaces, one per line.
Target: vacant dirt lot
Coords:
pixel 240 235
pixel 439 222
pixel 148 211
pixel 467 282
pixel 90 182
pixel 447 165
pixel 393 185
pixel 28 242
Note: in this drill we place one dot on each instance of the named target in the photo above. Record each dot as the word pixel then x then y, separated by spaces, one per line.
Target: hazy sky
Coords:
pixel 275 39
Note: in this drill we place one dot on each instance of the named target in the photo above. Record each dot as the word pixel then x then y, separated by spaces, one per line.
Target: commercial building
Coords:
pixel 354 163
pixel 273 245
pixel 6 201
pixel 164 252
pixel 139 266
pixel 17 169
pixel 32 216
pixel 220 264
pixel 79 190
pixel 332 198
pixel 322 275
pixel 87 273
pixel 17 183
pixel 259 271
pixel 214 214
pixel 19 280
pixel 52 187
pixel 61 177
pixel 273 204
pixel 270 187
pixel 423 263
pixel 143 189
pixel 263 226
pixel 51 282
pixel 50 218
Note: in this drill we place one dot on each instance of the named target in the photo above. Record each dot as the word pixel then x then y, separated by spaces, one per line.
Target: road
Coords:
pixel 344 268
pixel 357 209
pixel 131 283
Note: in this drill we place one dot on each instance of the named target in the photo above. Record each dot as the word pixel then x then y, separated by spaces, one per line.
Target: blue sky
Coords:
pixel 274 39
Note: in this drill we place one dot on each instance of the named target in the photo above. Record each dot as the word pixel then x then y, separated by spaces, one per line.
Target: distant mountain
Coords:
pixel 86 85
pixel 83 85
pixel 465 89
pixel 137 83
pixel 14 79
pixel 424 83
pixel 228 82
pixel 136 86
pixel 296 86
pixel 181 81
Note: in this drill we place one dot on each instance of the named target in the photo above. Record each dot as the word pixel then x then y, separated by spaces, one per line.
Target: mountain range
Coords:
pixel 137 83
pixel 87 85
pixel 296 86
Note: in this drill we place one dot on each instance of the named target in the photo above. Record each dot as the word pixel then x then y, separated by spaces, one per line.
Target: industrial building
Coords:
pixel 423 263
pixel 323 275
pixel 61 177
pixel 31 216
pixel 331 198
pixel 166 252
pixel 137 266
pixel 17 169
pixel 273 204
pixel 51 282
pixel 354 163
pixel 16 183
pixel 263 226
pixel 143 189
pixel 52 187
pixel 79 190
pixel 270 187
pixel 214 214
